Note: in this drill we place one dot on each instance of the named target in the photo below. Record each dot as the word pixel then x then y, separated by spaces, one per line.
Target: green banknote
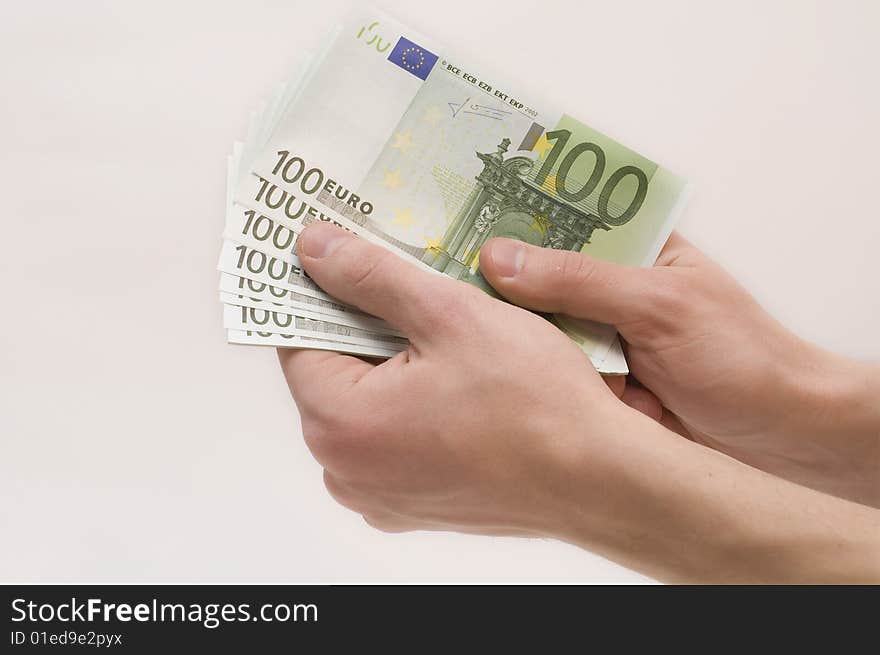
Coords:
pixel 259 337
pixel 241 317
pixel 241 291
pixel 266 237
pixel 392 136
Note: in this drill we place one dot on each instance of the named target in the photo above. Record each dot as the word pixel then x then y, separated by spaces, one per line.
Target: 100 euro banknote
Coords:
pixel 439 158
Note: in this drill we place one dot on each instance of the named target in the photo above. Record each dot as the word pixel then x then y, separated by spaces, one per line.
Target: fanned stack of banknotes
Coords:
pixel 388 134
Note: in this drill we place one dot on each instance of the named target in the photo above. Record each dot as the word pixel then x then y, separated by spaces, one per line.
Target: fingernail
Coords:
pixel 507 257
pixel 321 240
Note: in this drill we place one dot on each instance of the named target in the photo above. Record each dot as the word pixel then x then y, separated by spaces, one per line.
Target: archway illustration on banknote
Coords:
pixel 506 203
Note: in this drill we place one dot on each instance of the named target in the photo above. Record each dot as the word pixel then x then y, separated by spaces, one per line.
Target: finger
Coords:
pixel 316 377
pixel 642 400
pixel 374 515
pixel 671 422
pixel 392 523
pixel 378 281
pixel 678 251
pixel 346 496
pixel 567 282
pixel 617 384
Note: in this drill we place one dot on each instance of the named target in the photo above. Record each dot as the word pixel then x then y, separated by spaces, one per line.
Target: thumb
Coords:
pixel 377 281
pixel 566 282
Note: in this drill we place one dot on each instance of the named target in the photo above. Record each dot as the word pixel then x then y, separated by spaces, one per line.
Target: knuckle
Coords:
pixel 309 402
pixel 344 437
pixel 328 438
pixel 343 494
pixel 318 439
pixel 349 500
pixel 469 308
pixel 445 306
pixel 576 272
pixel 402 504
pixel 442 307
pixel 575 269
pixel 384 523
pixel 668 300
pixel 361 271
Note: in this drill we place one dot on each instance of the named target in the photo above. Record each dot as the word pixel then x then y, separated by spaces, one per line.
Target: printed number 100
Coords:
pixel 560 139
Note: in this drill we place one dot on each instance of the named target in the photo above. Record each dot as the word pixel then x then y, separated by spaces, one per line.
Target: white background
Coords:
pixel 138 446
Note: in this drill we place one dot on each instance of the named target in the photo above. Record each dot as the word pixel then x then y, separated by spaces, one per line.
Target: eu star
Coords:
pixel 432 115
pixel 541 145
pixel 392 180
pixel 404 218
pixel 550 184
pixel 434 244
pixel 472 259
pixel 402 141
pixel 540 225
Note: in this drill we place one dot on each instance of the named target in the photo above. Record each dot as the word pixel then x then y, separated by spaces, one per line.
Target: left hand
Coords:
pixel 494 422
pixel 728 375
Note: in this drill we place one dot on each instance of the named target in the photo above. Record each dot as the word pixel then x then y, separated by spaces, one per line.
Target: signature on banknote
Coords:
pixel 477 110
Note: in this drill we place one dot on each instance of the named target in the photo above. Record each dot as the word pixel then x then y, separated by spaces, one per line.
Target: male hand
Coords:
pixel 480 426
pixel 493 422
pixel 723 371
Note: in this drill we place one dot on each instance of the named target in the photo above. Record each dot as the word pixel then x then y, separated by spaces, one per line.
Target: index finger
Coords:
pixel 316 377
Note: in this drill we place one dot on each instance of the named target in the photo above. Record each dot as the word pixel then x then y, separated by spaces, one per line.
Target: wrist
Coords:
pixel 615 491
pixel 831 424
pixel 837 395
pixel 681 512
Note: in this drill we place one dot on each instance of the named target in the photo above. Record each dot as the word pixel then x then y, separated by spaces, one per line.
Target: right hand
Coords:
pixel 717 367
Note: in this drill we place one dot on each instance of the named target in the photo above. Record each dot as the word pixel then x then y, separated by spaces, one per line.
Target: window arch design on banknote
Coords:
pixel 504 203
